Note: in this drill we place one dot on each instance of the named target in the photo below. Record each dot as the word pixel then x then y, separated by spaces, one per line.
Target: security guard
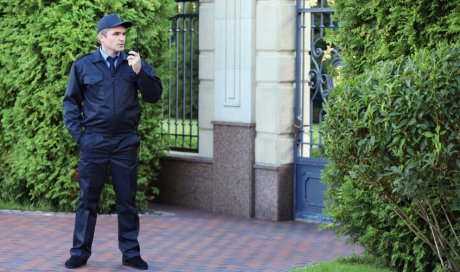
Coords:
pixel 102 113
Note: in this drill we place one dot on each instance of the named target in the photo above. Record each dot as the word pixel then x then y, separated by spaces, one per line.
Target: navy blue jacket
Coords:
pixel 107 105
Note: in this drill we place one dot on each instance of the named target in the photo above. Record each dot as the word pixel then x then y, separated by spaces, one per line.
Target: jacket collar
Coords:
pixel 96 56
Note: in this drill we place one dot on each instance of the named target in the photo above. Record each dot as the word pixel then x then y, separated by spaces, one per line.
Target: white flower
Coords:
pixel 328 52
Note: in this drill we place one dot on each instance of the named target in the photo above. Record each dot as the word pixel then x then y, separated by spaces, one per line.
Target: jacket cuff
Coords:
pixel 141 73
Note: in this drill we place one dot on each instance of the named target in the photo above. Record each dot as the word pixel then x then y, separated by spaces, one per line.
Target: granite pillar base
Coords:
pixel 274 192
pixel 233 168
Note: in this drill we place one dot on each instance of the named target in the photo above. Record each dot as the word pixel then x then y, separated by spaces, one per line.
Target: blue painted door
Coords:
pixel 310 190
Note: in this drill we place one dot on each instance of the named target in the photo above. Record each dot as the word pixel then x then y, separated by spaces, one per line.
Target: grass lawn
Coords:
pixel 180 133
pixel 350 264
pixel 180 126
pixel 313 137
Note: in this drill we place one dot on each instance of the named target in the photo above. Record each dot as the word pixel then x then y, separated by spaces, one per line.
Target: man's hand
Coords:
pixel 134 60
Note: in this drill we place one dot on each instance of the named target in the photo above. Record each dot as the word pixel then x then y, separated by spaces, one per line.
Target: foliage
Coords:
pixel 392 132
pixel 376 30
pixel 40 40
pixel 393 141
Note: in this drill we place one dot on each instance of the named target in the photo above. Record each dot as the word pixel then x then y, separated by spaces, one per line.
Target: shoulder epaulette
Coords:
pixel 79 58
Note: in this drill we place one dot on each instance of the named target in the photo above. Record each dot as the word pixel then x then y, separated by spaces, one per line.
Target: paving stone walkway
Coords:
pixel 176 240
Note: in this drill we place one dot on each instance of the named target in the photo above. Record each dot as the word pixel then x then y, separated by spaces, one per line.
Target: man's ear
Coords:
pixel 100 36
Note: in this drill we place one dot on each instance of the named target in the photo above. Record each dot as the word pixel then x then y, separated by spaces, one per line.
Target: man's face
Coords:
pixel 114 41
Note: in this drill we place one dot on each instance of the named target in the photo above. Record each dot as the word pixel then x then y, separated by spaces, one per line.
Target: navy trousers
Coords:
pixel 97 153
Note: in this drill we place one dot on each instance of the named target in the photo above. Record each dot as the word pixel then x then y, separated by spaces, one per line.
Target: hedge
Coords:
pixel 40 40
pixel 393 141
pixel 392 134
pixel 378 30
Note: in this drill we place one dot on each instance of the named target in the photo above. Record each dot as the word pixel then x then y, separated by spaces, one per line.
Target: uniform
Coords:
pixel 102 113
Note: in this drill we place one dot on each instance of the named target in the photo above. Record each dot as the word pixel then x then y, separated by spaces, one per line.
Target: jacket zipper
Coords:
pixel 114 104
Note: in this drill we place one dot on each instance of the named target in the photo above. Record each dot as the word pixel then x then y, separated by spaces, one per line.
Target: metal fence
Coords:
pixel 316 60
pixel 180 103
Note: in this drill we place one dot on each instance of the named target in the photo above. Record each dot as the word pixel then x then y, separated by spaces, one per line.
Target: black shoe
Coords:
pixel 136 262
pixel 75 262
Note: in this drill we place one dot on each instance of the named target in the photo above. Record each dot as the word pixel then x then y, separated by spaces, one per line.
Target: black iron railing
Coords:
pixel 180 103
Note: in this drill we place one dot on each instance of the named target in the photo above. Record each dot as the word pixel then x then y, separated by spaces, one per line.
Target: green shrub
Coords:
pixel 372 31
pixel 392 132
pixel 40 40
pixel 393 142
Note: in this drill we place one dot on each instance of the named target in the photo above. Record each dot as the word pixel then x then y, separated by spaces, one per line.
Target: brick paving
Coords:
pixel 176 240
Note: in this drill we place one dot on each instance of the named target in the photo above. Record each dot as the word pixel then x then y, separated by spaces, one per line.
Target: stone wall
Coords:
pixel 246 98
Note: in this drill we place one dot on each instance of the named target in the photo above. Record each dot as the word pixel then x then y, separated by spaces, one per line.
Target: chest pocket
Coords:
pixel 91 79
pixel 128 86
pixel 93 86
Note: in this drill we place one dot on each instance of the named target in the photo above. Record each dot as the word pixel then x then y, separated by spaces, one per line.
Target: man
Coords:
pixel 102 113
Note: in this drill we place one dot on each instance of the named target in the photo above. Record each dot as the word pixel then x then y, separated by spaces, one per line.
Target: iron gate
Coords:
pixel 315 59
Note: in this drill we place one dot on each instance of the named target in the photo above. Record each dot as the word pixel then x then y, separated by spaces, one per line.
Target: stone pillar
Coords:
pixel 234 110
pixel 275 78
pixel 206 77
pixel 233 169
pixel 234 61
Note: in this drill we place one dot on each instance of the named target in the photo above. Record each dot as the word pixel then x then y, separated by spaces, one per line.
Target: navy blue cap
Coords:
pixel 111 20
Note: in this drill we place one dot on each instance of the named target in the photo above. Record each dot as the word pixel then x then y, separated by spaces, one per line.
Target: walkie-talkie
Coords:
pixel 136 44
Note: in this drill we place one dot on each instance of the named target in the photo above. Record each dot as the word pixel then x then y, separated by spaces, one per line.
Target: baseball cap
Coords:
pixel 111 20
